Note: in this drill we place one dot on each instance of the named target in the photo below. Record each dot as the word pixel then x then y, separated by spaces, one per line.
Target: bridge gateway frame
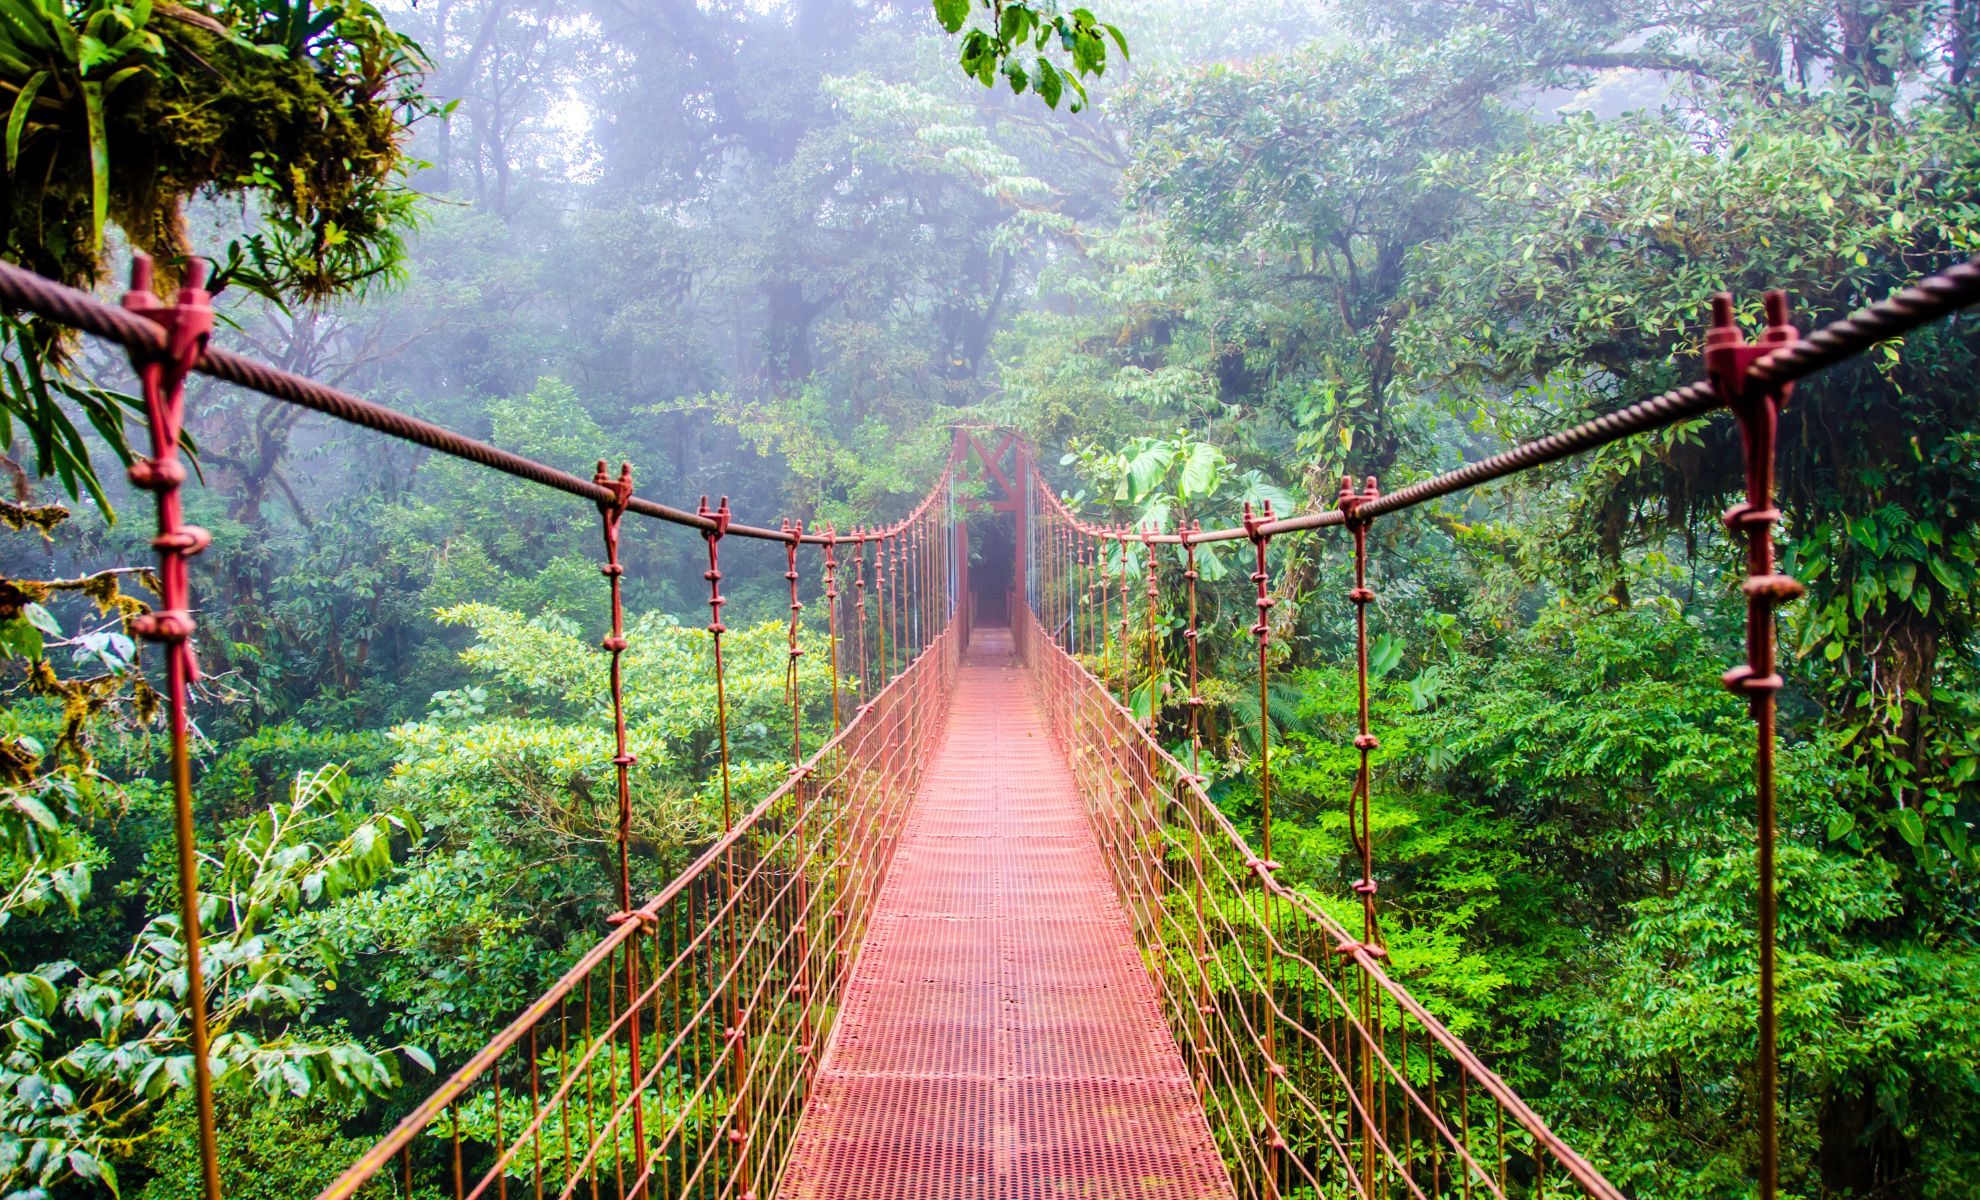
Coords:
pixel 727 977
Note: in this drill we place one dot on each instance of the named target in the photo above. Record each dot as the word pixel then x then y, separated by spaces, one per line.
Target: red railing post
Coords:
pixel 736 1035
pixel 188 323
pixel 1728 359
pixel 610 512
pixel 1121 535
pixel 859 609
pixel 883 575
pixel 1360 831
pixel 832 617
pixel 1101 636
pixel 794 533
pixel 1275 1142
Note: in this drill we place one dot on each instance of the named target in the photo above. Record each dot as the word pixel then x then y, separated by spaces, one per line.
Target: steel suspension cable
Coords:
pixel 167 343
pixel 1908 309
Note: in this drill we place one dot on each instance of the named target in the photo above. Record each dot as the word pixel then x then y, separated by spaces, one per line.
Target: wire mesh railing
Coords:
pixel 1321 1075
pixel 675 1056
pixel 1319 1072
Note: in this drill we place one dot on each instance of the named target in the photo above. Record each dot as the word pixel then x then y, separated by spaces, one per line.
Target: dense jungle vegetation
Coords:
pixel 776 249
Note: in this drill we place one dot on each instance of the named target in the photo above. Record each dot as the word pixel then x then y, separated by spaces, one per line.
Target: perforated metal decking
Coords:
pixel 1000 1036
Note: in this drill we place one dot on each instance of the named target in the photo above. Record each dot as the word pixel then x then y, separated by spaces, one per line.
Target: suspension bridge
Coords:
pixel 991 938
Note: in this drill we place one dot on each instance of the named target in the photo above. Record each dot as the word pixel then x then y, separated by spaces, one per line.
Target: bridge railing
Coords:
pixel 1319 1074
pixel 675 1057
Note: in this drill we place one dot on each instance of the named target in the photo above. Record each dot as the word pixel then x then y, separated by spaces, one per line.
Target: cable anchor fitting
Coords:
pixel 188 324
pixel 1729 362
pixel 719 516
pixel 1254 524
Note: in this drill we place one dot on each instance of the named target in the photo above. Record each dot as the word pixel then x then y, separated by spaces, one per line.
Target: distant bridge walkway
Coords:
pixel 1000 1035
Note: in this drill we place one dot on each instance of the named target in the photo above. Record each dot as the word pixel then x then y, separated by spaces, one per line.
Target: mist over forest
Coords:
pixel 778 251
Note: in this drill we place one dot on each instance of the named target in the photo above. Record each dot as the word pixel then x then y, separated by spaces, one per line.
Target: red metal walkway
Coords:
pixel 1001 1036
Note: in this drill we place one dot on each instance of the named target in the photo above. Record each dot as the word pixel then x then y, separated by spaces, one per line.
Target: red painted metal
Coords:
pixel 186 323
pixel 1730 361
pixel 1000 1036
pixel 611 513
pixel 1318 1073
pixel 745 959
pixel 676 1057
pixel 1361 596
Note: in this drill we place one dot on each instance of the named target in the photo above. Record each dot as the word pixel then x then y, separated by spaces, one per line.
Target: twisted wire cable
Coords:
pixel 24 290
pixel 1918 305
pixel 1910 308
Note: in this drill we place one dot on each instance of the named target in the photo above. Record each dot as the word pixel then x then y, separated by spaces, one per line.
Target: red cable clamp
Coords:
pixel 188 323
pixel 831 564
pixel 1729 360
pixel 720 516
pixel 793 534
pixel 1350 502
pixel 612 507
pixel 1253 524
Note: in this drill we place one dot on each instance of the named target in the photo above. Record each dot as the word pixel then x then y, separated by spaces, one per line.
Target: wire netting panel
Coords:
pixel 678 1056
pixel 1318 1074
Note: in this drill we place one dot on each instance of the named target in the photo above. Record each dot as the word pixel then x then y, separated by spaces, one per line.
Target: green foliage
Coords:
pixel 1871 1026
pixel 124 110
pixel 778 250
pixel 1016 26
pixel 510 781
pixel 270 1149
pixel 90 1055
pixel 1161 484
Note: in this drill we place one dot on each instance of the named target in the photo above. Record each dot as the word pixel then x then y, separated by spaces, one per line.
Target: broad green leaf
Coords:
pixel 99 159
pixel 1016 17
pixel 1210 562
pixel 952 13
pixel 19 638
pixel 1200 471
pixel 1146 469
pixel 1910 826
pixel 18 118
pixel 1384 652
pixel 1050 85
